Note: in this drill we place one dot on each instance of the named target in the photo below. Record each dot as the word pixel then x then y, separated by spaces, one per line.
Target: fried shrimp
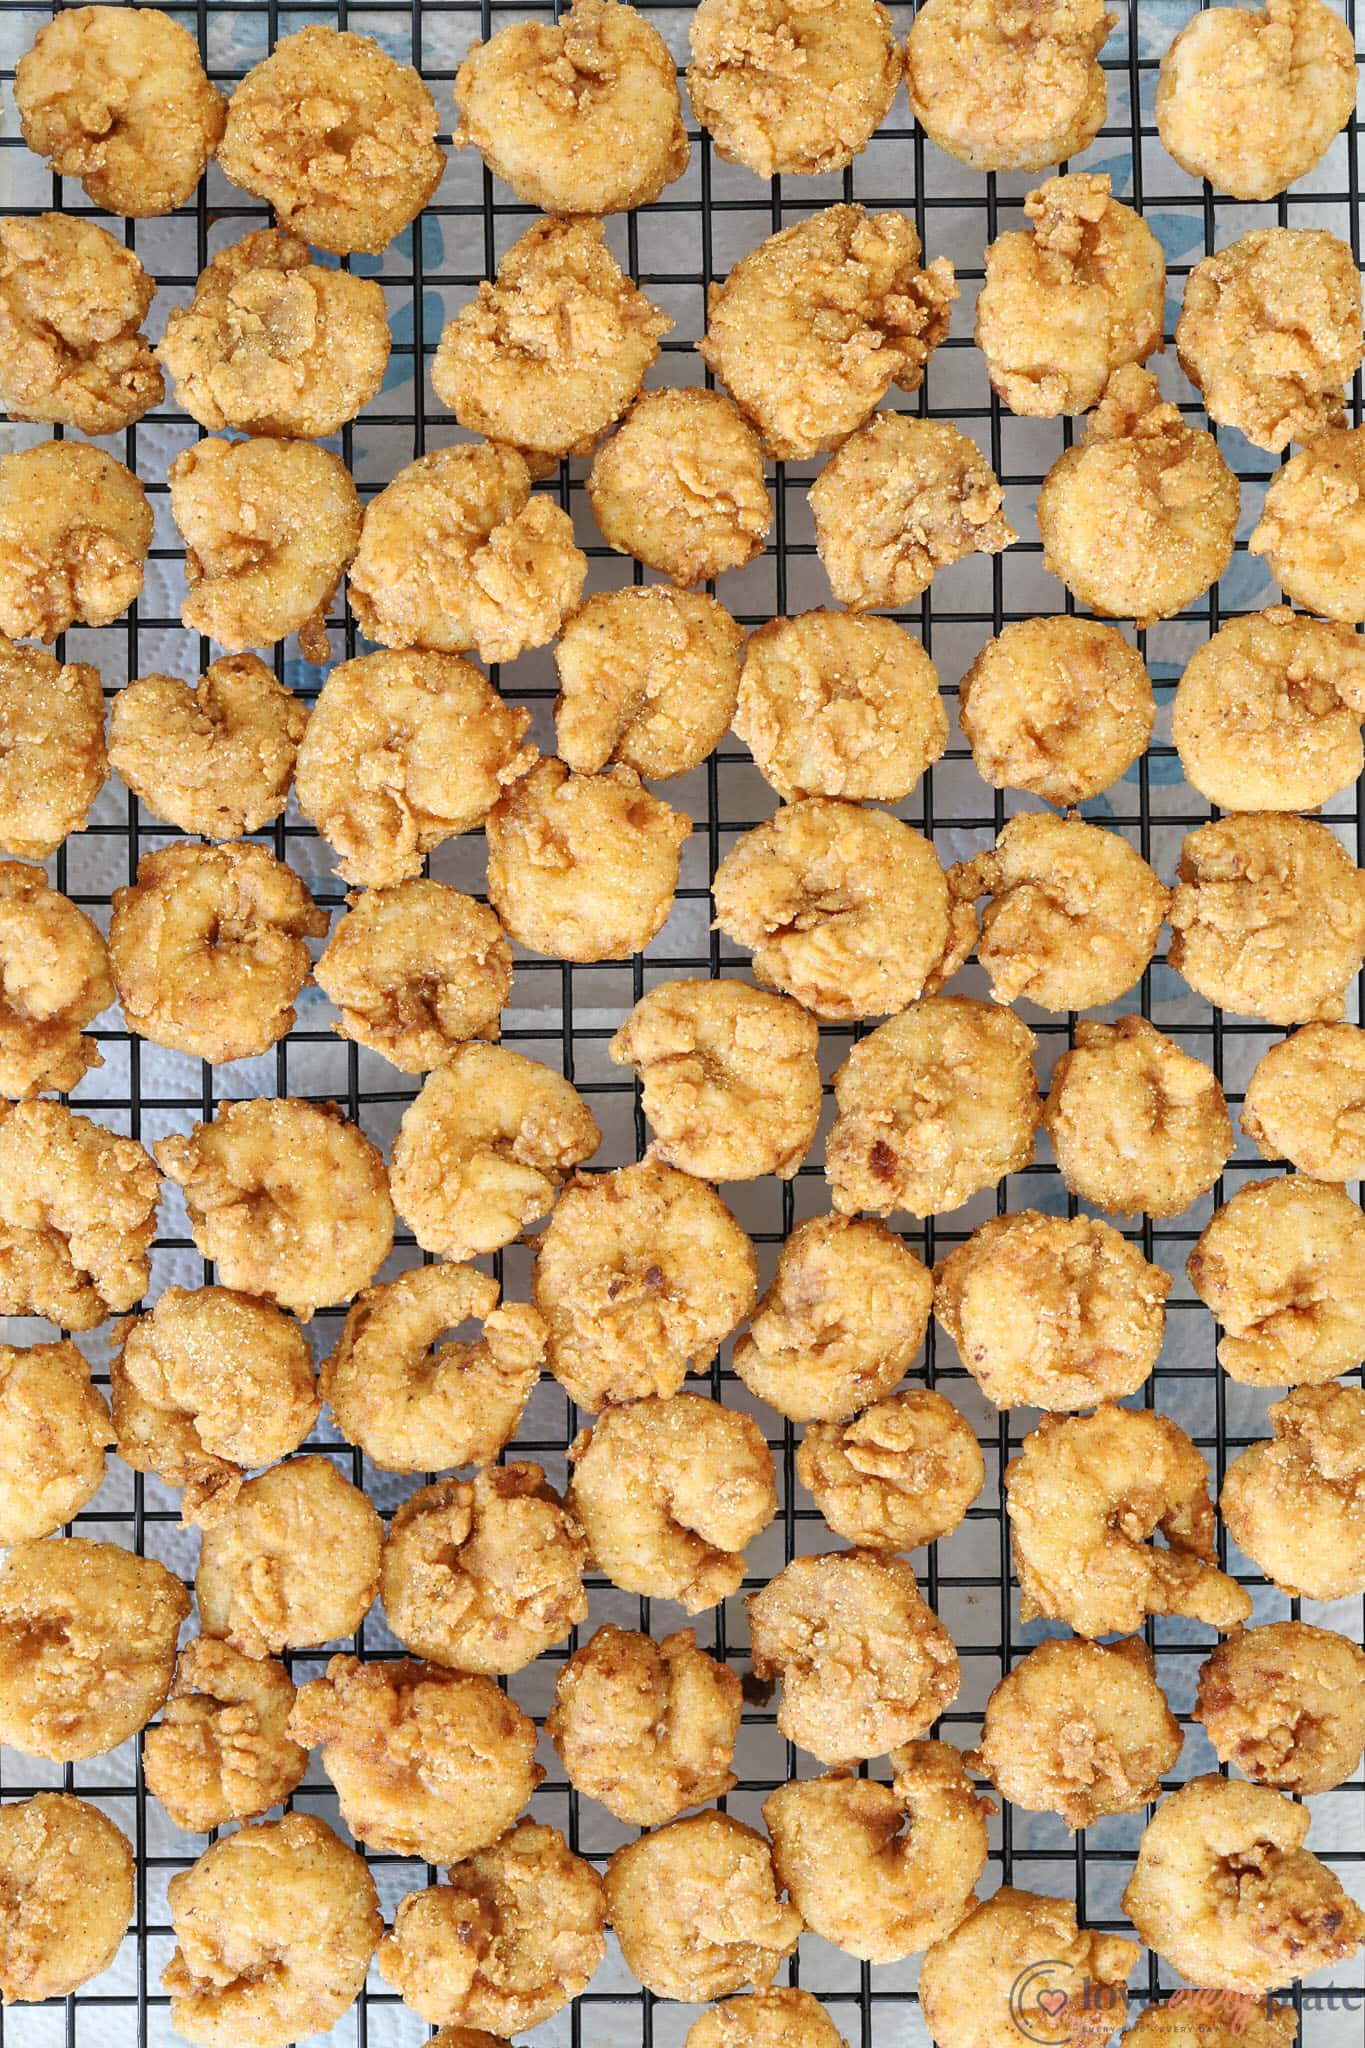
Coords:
pixel 275 1926
pixel 1083 1497
pixel 658 1519
pixel 583 867
pixel 507 1942
pixel 546 357
pixel 1052 1312
pixel 901 499
pixel 288 1199
pixel 979 1987
pixel 778 2018
pixel 1270 333
pixel 841 1322
pixel 882 1871
pixel 1286 1705
pixel 1267 714
pixel 1080 1729
pixel 268 527
pixel 1225 1892
pixel 411 1404
pixel 87 1645
pixel 1012 88
pixel 1136 1124
pixel 221 1750
pixel 290 1562
pixel 457 553
pixel 902 1473
pixel 581 115
pixel 208 949
pixel 1312 525
pixel 273 343
pixel 66 1895
pixel 425 1762
pixel 118 97
pixel 696 1911
pixel 54 1427
pixel 834 705
pixel 640 1274
pixel 1268 917
pixel 77 1216
pixel 792 86
pixel 72 300
pixel 1059 707
pixel 1296 1505
pixel 54 980
pixel 1073 916
pixel 648 676
pixel 1282 1267
pixel 864 1663
pixel 484 1574
pixel 812 328
pixel 1305 1102
pixel 75 527
pixel 647 1729
pixel 1070 299
pixel 680 486
pixel 1138 519
pixel 933 1106
pixel 52 759
pixel 337 136
pixel 483 1149
pixel 844 908
pixel 415 970
pixel 215 758
pixel 729 1077
pixel 404 751
pixel 207 1385
pixel 1251 98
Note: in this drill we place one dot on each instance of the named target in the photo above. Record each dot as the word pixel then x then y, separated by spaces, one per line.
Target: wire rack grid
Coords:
pixel 565 1014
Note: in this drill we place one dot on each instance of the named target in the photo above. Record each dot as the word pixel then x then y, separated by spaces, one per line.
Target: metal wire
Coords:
pixel 565 1014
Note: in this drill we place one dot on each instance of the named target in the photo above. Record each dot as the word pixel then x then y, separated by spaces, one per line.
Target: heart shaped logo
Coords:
pixel 1052 2002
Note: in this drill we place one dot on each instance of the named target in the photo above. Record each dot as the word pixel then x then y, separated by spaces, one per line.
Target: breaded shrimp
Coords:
pixel 411 1404
pixel 882 1871
pixel 72 301
pixel 1084 1495
pixel 215 758
pixel 841 1322
pixel 1139 518
pixel 1070 299
pixel 291 1562
pixel 1136 1123
pixel 845 908
pixel 1296 1504
pixel 646 1728
pixel 1312 525
pixel 1225 1892
pixel 290 1200
pixel 934 1106
pixel 52 759
pixel 75 527
pixel 901 1474
pixel 1008 88
pixel 483 1149
pixel 404 751
pixel 729 1077
pixel 416 970
pixel 1282 1266
pixel 338 136
pixel 67 1890
pixel 1305 1102
pixel 54 1428
pixel 980 1987
pixel 580 115
pixel 695 1908
pixel 1059 707
pixel 648 676
pixel 680 486
pixel 221 1750
pixel 865 1663
pixel 644 1487
pixel 54 980
pixel 77 1216
pixel 1285 1703
pixel 640 1275
pixel 903 498
pixel 792 86
pixel 812 328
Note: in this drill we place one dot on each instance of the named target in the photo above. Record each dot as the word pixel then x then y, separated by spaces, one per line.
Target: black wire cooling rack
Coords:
pixel 565 1014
